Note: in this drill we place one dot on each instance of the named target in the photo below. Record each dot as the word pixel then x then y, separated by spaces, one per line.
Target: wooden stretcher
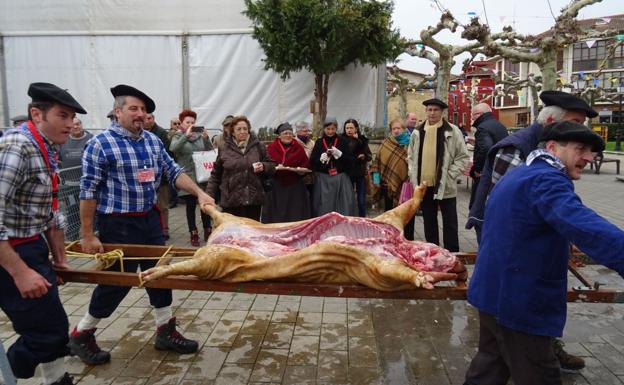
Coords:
pixel 587 291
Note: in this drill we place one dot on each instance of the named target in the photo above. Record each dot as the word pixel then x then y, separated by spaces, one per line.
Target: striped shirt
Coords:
pixel 110 166
pixel 25 187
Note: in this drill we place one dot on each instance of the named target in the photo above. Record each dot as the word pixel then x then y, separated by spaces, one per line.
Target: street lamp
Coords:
pixel 618 131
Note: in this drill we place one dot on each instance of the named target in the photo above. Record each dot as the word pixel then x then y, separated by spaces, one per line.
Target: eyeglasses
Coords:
pixel 176 123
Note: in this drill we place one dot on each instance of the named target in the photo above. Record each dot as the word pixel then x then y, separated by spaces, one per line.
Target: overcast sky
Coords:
pixel 528 16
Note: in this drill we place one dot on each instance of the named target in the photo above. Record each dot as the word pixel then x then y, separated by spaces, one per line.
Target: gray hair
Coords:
pixel 555 113
pixel 482 108
pixel 120 101
pixel 300 125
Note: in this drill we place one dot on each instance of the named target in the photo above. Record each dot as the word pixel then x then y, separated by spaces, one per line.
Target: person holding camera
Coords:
pixel 241 168
pixel 188 139
pixel 331 160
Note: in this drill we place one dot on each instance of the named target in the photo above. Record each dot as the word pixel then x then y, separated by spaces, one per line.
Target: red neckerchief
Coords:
pixel 333 145
pixel 44 152
pixel 281 146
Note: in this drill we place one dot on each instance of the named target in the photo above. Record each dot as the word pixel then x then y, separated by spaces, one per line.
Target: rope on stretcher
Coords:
pixel 108 259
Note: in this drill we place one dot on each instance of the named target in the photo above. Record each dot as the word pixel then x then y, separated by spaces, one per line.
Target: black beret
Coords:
pixel 283 127
pixel 567 102
pixel 436 102
pixel 125 90
pixel 570 131
pixel 46 92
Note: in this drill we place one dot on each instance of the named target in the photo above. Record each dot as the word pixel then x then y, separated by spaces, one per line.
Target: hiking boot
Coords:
pixel 65 380
pixel 194 238
pixel 568 362
pixel 83 345
pixel 168 338
pixel 207 231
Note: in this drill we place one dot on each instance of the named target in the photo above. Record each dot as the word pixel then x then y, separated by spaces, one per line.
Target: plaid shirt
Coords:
pixel 506 159
pixel 110 166
pixel 25 187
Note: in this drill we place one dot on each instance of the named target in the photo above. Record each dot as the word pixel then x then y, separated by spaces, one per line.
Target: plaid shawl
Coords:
pixel 392 165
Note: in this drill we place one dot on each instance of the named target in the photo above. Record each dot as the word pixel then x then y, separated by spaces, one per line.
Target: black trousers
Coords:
pixel 42 322
pixel 145 230
pixel 528 359
pixel 448 207
pixel 408 229
pixel 191 205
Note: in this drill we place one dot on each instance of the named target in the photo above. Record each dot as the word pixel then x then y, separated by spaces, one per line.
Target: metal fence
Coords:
pixel 69 201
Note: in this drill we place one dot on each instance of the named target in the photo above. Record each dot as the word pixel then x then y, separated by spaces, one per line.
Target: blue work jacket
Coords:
pixel 531 218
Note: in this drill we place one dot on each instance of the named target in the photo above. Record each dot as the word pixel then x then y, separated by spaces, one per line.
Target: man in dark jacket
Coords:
pixel 520 278
pixel 489 132
pixel 163 189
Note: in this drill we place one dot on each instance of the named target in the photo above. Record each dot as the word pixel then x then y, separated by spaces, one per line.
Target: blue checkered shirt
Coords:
pixel 110 166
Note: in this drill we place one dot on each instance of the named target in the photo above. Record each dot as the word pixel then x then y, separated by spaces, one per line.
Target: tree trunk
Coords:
pixel 403 103
pixel 535 102
pixel 548 66
pixel 318 89
pixel 324 98
pixel 443 78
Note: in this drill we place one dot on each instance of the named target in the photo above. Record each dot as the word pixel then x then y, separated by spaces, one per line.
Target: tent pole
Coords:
pixel 3 86
pixel 185 73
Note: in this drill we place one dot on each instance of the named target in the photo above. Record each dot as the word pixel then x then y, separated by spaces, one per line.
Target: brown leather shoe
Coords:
pixel 567 361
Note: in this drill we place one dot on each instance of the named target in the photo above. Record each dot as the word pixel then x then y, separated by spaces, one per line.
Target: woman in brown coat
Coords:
pixel 240 168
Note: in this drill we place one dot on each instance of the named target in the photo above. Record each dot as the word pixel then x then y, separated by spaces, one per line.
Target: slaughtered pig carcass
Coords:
pixel 332 248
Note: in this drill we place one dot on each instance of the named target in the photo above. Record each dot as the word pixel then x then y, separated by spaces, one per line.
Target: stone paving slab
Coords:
pixel 266 339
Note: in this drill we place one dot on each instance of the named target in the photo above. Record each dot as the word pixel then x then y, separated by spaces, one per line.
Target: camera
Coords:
pixel 197 129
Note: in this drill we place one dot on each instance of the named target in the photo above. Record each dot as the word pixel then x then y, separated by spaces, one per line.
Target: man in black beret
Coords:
pixel 512 151
pixel 31 228
pixel 19 119
pixel 122 170
pixel 437 155
pixel 519 282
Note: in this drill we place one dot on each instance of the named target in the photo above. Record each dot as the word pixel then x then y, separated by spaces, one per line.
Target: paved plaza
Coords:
pixel 265 339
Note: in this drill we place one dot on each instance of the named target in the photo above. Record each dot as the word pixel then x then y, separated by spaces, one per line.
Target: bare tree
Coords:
pixel 541 49
pixel 401 86
pixel 440 54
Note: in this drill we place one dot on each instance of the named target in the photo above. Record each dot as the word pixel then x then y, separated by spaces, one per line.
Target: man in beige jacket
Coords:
pixel 437 155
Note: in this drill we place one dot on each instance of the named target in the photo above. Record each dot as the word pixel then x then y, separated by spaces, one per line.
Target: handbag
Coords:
pixel 204 164
pixel 407 192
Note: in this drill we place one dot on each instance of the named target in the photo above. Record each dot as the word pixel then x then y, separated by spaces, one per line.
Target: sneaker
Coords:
pixel 568 362
pixel 83 345
pixel 65 380
pixel 194 238
pixel 168 338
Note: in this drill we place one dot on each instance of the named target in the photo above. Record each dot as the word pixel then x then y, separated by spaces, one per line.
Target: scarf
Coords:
pixel 242 145
pixel 51 148
pixel 547 157
pixel 428 167
pixel 392 165
pixel 292 155
pixel 403 138
pixel 304 139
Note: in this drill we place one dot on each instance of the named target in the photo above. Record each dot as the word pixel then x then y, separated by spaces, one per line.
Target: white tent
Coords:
pixel 195 53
